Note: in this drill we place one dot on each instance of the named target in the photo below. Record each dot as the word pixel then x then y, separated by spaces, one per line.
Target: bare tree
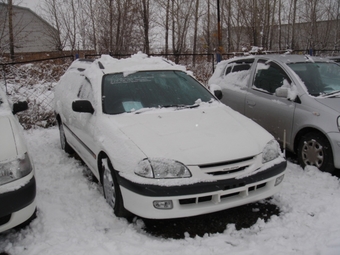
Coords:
pixel 145 14
pixel 195 33
pixel 10 29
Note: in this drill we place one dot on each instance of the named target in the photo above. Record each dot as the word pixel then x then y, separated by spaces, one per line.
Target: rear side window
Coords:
pixel 238 73
pixel 85 91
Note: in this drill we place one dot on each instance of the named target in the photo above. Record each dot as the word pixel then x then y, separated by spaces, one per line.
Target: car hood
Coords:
pixel 8 148
pixel 195 136
pixel 333 102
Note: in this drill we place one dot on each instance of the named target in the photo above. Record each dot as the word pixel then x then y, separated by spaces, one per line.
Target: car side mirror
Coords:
pixel 217 91
pixel 19 107
pixel 281 92
pixel 82 106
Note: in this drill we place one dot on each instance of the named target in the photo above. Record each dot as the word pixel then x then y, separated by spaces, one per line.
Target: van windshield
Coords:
pixel 151 89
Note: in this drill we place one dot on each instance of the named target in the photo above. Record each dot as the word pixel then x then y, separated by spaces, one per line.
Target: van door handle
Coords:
pixel 251 103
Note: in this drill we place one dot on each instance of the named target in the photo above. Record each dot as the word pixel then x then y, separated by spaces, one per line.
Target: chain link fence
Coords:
pixel 34 82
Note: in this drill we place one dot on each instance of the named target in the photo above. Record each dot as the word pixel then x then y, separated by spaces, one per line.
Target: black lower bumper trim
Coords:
pixel 18 199
pixel 202 187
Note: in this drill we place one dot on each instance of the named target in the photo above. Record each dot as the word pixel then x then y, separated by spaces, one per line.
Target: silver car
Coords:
pixel 295 97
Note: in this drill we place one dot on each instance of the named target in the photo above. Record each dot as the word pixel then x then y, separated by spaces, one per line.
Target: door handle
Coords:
pixel 251 103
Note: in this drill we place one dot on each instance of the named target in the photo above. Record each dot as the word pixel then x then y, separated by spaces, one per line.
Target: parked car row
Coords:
pixel 164 146
pixel 294 97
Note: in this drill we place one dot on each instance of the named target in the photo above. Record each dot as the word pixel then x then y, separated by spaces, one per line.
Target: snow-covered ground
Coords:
pixel 73 217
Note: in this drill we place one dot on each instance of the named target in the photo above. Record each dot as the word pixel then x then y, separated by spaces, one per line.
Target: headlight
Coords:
pixel 271 151
pixel 162 169
pixel 16 169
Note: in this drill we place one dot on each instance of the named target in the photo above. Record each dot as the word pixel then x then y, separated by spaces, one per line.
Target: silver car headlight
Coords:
pixel 15 169
pixel 162 169
pixel 271 151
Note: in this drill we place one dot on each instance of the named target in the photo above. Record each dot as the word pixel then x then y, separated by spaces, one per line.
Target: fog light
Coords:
pixel 279 180
pixel 167 204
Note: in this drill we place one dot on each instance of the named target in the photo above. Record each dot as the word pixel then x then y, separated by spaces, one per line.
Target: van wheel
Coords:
pixel 112 191
pixel 63 142
pixel 314 149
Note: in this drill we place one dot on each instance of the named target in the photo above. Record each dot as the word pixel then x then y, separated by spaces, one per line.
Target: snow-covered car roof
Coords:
pixel 137 62
pixel 283 58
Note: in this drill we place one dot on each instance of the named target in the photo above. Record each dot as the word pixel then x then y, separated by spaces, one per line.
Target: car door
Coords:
pixel 83 126
pixel 234 83
pixel 262 103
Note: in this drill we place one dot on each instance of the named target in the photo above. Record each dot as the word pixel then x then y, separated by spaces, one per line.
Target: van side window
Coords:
pixel 85 91
pixel 269 76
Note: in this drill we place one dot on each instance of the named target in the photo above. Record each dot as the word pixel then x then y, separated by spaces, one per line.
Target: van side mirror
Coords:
pixel 82 106
pixel 19 107
pixel 217 91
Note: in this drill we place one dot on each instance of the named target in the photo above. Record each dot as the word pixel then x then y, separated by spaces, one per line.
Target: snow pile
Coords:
pixel 73 217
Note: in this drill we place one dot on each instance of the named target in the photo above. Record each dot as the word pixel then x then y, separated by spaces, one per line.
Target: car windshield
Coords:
pixel 151 89
pixel 320 78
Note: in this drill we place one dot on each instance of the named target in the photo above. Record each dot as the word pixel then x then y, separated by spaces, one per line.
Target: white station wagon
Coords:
pixel 159 142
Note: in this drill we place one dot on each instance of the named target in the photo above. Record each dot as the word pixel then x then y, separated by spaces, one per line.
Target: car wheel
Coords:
pixel 314 149
pixel 63 142
pixel 112 191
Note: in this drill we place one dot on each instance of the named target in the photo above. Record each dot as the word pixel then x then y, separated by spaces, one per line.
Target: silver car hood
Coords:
pixel 331 102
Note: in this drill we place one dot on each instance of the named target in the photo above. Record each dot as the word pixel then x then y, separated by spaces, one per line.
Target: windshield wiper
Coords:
pixel 141 110
pixel 179 106
pixel 331 94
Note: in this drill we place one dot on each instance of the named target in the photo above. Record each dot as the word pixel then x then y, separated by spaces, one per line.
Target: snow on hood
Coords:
pixel 188 135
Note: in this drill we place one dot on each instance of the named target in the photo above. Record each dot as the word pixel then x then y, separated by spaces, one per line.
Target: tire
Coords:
pixel 111 190
pixel 314 149
pixel 63 142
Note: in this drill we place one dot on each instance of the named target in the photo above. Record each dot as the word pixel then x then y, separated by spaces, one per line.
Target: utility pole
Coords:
pixel 10 29
pixel 219 34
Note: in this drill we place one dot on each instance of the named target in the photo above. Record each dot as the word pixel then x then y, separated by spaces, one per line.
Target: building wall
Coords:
pixel 31 32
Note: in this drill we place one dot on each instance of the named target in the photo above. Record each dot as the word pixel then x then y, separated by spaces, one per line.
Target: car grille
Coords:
pixel 229 167
pixel 197 200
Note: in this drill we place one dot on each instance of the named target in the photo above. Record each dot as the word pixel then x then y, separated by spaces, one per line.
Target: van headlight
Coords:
pixel 271 151
pixel 162 169
pixel 15 169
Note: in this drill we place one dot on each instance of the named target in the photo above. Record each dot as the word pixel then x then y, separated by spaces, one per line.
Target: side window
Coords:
pixel 85 91
pixel 238 73
pixel 269 76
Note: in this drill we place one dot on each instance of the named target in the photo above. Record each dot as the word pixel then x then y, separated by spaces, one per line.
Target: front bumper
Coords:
pixel 200 198
pixel 334 139
pixel 17 205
